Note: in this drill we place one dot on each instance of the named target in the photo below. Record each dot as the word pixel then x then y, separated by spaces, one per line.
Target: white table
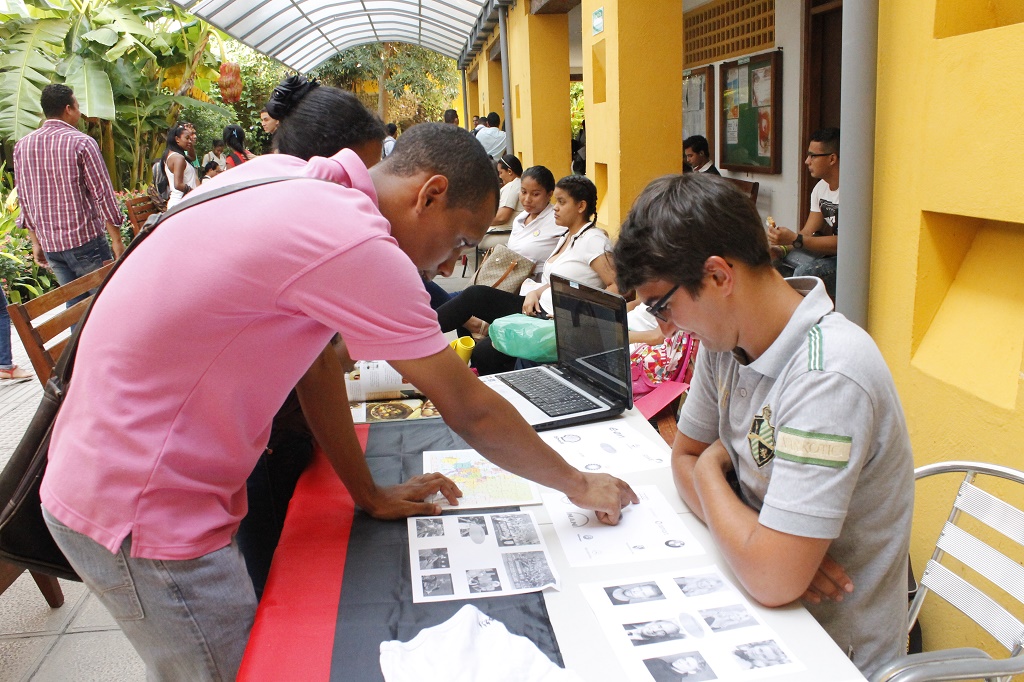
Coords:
pixel 581 640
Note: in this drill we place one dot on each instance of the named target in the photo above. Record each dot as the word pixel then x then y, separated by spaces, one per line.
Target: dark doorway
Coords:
pixel 823 36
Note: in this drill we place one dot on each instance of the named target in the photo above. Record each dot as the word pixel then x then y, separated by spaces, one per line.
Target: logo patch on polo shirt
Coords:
pixel 807 447
pixel 762 437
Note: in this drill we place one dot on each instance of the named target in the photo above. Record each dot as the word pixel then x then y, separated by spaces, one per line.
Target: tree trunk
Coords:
pixel 107 147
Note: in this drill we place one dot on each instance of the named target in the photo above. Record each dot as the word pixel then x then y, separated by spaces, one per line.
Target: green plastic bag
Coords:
pixel 524 336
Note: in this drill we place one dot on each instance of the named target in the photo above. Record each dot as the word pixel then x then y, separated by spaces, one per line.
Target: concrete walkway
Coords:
pixel 79 641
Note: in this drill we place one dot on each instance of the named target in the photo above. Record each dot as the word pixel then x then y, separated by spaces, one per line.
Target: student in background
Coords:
pixel 698 154
pixel 389 140
pixel 234 138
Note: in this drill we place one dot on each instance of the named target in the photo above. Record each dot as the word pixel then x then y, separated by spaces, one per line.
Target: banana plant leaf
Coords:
pixel 92 88
pixel 27 67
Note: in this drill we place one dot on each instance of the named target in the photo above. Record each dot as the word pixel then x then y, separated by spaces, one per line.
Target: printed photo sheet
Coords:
pixel 483 483
pixel 692 625
pixel 649 530
pixel 477 555
pixel 611 447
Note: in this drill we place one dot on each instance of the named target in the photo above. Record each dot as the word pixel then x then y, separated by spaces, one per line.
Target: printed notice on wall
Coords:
pixel 732 131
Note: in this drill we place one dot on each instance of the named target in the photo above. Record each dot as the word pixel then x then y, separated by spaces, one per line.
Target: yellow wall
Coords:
pixel 633 99
pixel 539 83
pixel 947 285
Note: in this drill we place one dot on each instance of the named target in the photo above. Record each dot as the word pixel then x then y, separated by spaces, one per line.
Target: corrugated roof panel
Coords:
pixel 303 33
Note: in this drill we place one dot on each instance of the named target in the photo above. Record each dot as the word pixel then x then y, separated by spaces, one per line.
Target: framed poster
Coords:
pixel 750 102
pixel 698 95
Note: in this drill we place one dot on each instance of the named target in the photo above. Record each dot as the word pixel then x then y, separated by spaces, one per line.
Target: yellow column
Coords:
pixel 539 81
pixel 632 81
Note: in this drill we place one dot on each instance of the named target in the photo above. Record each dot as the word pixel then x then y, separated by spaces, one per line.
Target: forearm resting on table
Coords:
pixel 775 568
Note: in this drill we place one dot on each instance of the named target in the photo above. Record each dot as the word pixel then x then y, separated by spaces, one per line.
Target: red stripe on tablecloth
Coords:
pixel 293 636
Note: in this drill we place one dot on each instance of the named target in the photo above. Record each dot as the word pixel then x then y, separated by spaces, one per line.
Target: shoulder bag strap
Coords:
pixel 66 362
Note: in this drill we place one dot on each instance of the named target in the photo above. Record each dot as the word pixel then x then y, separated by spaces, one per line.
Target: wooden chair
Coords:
pixel 36 334
pixel 139 209
pixel 47 584
pixel 747 187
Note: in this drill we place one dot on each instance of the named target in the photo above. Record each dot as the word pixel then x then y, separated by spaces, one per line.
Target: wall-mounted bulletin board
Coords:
pixel 698 98
pixel 750 100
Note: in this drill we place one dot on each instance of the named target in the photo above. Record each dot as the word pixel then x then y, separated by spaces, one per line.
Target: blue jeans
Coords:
pixel 6 359
pixel 69 265
pixel 824 268
pixel 188 620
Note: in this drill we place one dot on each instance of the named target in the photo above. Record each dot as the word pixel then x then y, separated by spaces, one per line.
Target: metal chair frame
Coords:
pixel 970 663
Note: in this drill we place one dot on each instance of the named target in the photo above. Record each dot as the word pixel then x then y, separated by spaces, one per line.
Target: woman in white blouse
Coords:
pixel 582 253
pixel 509 204
pixel 534 232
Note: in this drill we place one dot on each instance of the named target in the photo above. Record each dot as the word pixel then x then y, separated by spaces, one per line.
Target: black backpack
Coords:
pixel 160 181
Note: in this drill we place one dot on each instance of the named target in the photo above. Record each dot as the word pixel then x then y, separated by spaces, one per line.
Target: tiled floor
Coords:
pixel 78 642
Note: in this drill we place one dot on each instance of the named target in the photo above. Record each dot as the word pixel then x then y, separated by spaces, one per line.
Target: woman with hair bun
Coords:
pixel 509 203
pixel 581 254
pixel 234 138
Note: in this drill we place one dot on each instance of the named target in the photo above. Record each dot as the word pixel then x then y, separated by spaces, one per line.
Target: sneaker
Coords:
pixel 15 373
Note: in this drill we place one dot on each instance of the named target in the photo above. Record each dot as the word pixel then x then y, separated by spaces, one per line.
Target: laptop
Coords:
pixel 591 380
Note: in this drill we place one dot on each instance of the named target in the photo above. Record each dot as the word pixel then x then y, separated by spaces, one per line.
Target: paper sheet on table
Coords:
pixel 483 483
pixel 611 447
pixel 647 531
pixel 477 555
pixel 690 624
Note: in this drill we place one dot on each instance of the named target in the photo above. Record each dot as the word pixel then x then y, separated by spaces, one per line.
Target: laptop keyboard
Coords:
pixel 548 393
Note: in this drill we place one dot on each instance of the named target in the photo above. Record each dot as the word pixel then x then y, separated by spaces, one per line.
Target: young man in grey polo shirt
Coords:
pixel 792 445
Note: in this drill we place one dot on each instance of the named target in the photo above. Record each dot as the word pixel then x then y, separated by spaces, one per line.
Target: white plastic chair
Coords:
pixel 1004 572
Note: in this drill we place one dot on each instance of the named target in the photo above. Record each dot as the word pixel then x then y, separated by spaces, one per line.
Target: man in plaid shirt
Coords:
pixel 64 190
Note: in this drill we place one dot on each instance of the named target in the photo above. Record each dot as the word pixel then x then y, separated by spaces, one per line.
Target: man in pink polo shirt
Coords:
pixel 198 339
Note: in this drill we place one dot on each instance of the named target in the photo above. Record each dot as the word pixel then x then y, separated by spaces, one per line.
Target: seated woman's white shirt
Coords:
pixel 573 263
pixel 537 240
pixel 509 198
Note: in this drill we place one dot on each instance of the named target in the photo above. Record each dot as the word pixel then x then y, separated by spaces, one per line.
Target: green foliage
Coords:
pixel 260 75
pixel 20 276
pixel 119 57
pixel 420 83
pixel 576 106
pixel 28 64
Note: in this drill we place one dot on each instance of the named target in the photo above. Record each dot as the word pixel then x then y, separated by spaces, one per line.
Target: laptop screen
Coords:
pixel 590 327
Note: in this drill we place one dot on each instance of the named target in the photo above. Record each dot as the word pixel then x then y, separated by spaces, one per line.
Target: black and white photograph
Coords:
pixel 474 527
pixel 515 530
pixel 722 618
pixel 700 585
pixel 483 580
pixel 634 593
pixel 429 528
pixel 528 569
pixel 664 630
pixel 689 666
pixel 759 655
pixel 437 585
pixel 434 558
